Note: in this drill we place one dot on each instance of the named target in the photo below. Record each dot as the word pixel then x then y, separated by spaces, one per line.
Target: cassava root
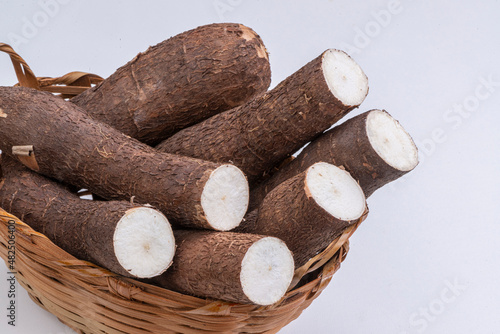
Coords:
pixel 373 147
pixel 126 239
pixel 309 210
pixel 260 134
pixel 181 82
pixel 73 148
pixel 237 267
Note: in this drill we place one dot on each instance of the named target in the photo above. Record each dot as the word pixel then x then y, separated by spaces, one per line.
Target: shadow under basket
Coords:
pixel 90 299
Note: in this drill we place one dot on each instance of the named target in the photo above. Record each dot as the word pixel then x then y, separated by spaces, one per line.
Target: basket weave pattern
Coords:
pixel 90 299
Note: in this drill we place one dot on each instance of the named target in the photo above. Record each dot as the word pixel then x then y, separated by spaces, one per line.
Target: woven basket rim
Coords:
pixel 52 266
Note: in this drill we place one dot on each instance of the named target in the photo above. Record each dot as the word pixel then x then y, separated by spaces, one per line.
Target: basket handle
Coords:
pixel 68 85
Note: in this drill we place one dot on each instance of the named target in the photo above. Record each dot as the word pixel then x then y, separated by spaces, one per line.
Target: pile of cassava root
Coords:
pixel 188 157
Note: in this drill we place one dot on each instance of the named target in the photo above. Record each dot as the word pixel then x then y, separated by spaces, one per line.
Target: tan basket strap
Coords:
pixel 24 74
pixel 69 85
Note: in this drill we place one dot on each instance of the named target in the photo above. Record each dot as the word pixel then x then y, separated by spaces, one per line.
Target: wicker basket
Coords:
pixel 90 299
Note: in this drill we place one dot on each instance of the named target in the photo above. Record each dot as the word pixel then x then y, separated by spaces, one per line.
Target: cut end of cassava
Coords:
pixel 225 198
pixel 335 191
pixel 267 271
pixel 346 80
pixel 391 142
pixel 143 242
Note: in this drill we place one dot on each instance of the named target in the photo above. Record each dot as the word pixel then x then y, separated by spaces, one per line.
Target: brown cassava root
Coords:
pixel 85 229
pixel 349 146
pixel 263 132
pixel 309 210
pixel 237 267
pixel 74 148
pixel 181 82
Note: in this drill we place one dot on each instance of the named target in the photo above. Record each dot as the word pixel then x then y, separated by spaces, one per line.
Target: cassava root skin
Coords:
pixel 237 267
pixel 263 132
pixel 349 146
pixel 73 148
pixel 87 229
pixel 309 210
pixel 181 82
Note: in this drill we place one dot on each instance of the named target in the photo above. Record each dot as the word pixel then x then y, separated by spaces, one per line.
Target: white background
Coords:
pixel 426 60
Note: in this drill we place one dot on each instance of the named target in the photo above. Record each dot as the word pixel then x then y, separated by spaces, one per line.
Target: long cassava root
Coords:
pixel 309 210
pixel 373 147
pixel 237 267
pixel 263 132
pixel 126 239
pixel 181 81
pixel 72 147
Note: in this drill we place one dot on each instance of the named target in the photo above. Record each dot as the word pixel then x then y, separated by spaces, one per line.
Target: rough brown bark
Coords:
pixel 181 81
pixel 263 132
pixel 208 264
pixel 82 228
pixel 290 213
pixel 74 148
pixel 346 146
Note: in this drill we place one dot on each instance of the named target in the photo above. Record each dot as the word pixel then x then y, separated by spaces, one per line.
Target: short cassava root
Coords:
pixel 309 210
pixel 373 147
pixel 126 239
pixel 237 267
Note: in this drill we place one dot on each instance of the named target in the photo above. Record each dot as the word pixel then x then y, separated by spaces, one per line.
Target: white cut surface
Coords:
pixel 391 142
pixel 225 197
pixel 346 80
pixel 144 243
pixel 266 271
pixel 336 191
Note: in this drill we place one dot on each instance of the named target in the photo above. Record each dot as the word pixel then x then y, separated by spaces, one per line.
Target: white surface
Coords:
pixel 344 77
pixel 391 142
pixel 224 198
pixel 335 191
pixel 426 260
pixel 144 242
pixel 266 271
